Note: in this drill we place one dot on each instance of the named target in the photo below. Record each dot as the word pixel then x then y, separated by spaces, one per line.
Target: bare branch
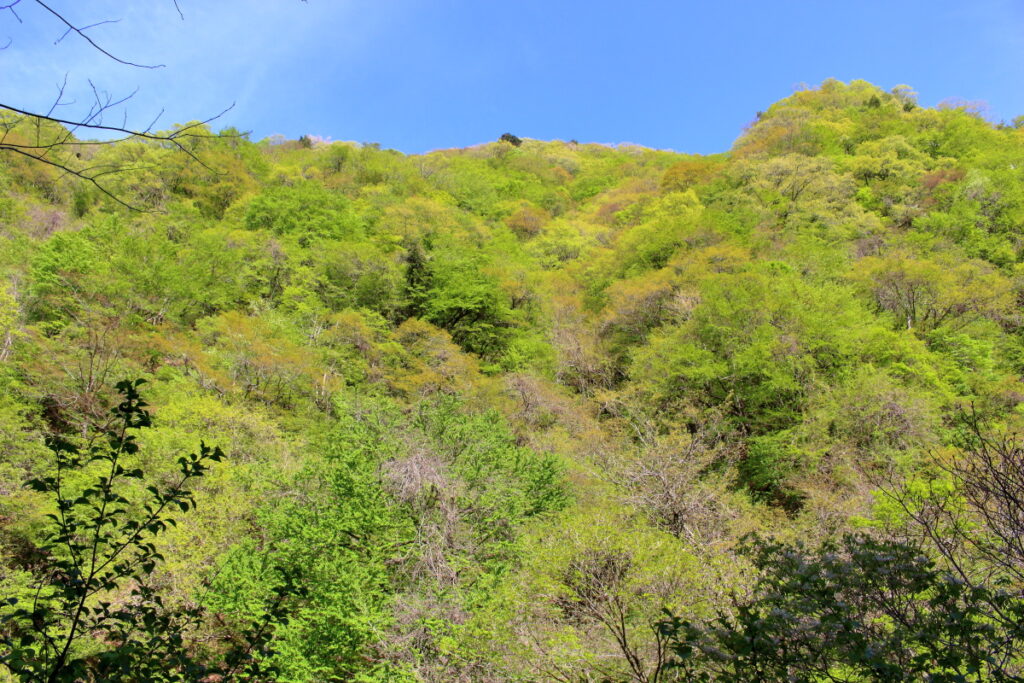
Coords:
pixel 23 132
pixel 145 134
pixel 78 174
pixel 86 28
pixel 81 32
pixel 10 6
pixel 60 95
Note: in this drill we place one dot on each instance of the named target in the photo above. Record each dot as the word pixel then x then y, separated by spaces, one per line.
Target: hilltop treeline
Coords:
pixel 534 411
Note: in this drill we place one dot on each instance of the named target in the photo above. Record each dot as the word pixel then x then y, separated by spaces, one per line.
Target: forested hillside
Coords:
pixel 524 411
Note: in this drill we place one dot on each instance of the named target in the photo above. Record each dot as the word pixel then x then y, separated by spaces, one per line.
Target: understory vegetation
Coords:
pixel 525 411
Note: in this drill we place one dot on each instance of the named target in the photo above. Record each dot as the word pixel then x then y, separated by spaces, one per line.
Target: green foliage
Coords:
pixel 334 540
pixel 511 139
pixel 357 530
pixel 857 610
pixel 486 411
pixel 360 275
pixel 53 268
pixel 305 210
pixel 769 461
pixel 454 291
pixel 757 343
pixel 505 484
pixel 95 613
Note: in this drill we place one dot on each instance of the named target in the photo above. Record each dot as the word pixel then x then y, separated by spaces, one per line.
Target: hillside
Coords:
pixel 495 409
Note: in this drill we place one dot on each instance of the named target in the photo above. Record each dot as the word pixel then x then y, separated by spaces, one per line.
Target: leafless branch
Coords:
pixel 58 102
pixel 972 514
pixel 80 31
pixel 86 28
pixel 61 149
pixel 60 145
pixel 78 174
pixel 10 6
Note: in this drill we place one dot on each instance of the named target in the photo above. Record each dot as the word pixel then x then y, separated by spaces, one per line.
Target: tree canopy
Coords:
pixel 522 411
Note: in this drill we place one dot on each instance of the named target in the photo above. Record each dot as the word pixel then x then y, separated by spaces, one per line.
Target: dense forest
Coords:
pixel 300 410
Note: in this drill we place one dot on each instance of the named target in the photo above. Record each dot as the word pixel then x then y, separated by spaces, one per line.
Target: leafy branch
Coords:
pixel 98 546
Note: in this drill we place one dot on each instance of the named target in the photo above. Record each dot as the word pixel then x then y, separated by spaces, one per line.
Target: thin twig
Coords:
pixel 81 33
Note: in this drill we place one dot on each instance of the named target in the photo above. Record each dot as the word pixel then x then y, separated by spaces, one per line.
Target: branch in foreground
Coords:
pixel 61 149
pixel 80 31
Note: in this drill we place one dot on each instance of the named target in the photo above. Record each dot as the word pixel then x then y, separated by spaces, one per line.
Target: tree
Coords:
pixel 925 294
pixel 861 609
pixel 938 600
pixel 458 294
pixel 95 613
pixel 511 139
pixel 972 510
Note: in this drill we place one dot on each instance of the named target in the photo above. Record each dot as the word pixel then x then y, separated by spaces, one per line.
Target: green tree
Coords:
pixel 862 609
pixel 95 613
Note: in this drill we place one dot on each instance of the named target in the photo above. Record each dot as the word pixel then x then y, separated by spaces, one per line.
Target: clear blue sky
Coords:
pixel 417 75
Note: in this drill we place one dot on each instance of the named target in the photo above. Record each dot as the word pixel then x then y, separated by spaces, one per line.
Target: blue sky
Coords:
pixel 417 75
